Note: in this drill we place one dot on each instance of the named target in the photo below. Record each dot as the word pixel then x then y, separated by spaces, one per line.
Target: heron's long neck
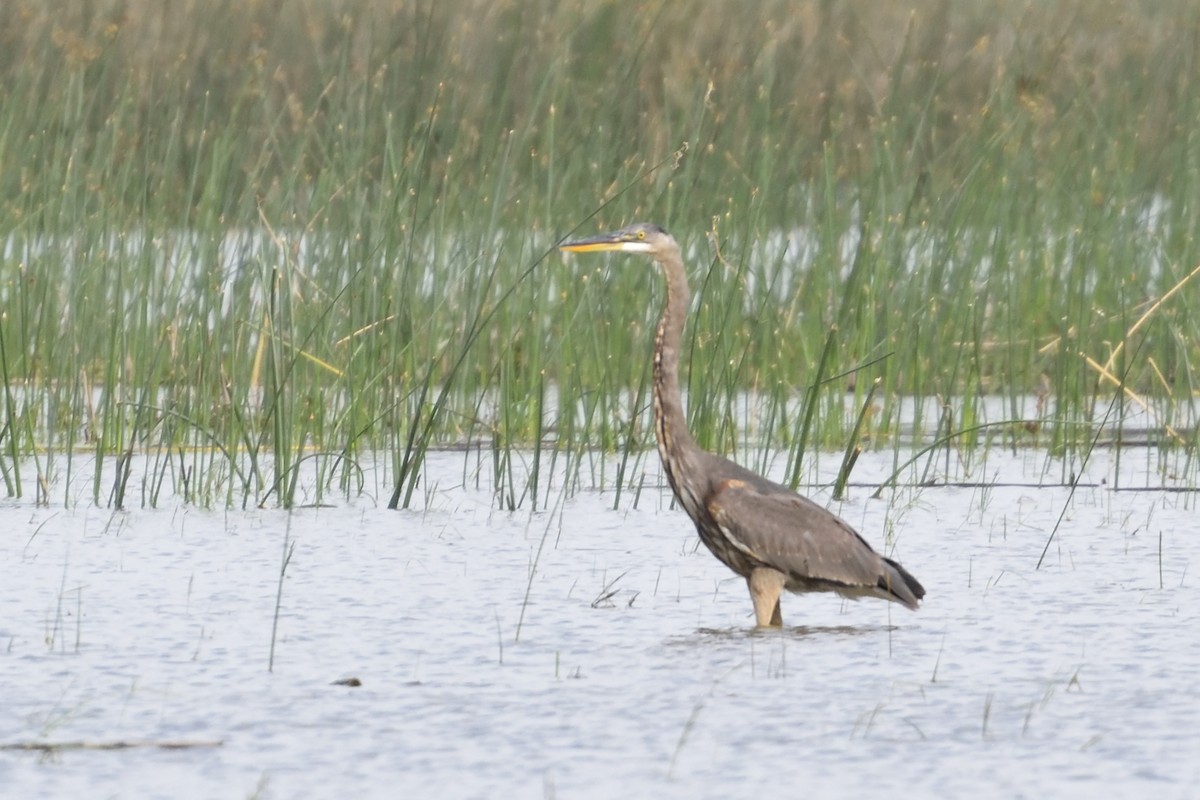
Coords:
pixel 670 424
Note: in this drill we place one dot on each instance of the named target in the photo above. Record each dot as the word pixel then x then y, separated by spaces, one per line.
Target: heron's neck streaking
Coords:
pixel 670 424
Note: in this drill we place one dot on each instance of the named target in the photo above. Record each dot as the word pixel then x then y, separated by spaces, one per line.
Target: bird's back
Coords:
pixel 749 521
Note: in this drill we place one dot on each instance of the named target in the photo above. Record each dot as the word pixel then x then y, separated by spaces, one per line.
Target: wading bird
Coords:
pixel 771 536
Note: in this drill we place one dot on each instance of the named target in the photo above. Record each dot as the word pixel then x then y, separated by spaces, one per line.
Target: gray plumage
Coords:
pixel 773 537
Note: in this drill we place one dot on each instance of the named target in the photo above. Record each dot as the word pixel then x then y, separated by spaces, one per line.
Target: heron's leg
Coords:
pixel 766 585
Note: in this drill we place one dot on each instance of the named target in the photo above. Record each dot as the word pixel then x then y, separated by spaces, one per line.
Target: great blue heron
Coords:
pixel 773 537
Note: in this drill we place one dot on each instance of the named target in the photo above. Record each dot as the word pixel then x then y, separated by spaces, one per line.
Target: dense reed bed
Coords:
pixel 259 240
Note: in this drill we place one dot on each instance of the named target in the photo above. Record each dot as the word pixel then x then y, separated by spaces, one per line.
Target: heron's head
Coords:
pixel 642 237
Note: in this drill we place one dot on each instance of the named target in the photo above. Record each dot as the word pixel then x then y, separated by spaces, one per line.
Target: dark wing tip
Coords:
pixel 900 584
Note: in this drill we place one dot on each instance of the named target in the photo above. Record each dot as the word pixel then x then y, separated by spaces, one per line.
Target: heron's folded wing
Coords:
pixel 793 534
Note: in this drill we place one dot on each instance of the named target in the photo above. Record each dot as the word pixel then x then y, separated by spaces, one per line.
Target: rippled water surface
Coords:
pixel 584 651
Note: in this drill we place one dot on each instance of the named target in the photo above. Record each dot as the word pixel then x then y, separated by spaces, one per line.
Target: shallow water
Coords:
pixel 636 671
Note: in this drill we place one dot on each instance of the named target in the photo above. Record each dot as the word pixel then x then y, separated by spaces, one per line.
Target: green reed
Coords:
pixel 258 248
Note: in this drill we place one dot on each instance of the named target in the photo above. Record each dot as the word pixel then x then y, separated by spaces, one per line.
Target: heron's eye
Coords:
pixel 641 234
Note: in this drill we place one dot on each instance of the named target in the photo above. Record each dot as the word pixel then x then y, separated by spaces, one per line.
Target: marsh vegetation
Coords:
pixel 246 244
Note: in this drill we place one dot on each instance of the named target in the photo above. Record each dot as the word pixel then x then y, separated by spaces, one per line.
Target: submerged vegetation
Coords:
pixel 245 240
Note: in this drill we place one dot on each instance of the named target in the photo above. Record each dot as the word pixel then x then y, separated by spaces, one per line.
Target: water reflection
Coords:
pixel 749 632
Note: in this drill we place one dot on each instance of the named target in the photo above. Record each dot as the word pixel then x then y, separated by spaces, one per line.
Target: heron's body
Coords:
pixel 773 537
